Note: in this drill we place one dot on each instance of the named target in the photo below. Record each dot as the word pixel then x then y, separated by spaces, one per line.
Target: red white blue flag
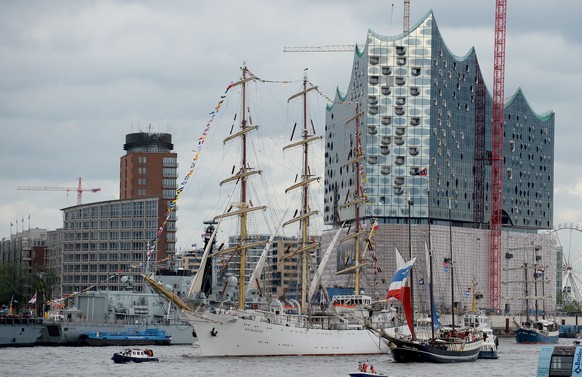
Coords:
pixel 399 288
pixel 400 280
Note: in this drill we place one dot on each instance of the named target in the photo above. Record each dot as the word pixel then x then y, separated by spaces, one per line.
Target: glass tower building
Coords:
pixel 426 135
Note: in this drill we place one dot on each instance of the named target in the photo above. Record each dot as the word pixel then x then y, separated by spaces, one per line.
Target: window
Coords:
pixel 168 194
pixel 170 162
pixel 415 71
pixel 386 90
pixel 374 60
pixel 374 80
pixel 386 71
pixel 169 173
pixel 386 120
pixel 169 183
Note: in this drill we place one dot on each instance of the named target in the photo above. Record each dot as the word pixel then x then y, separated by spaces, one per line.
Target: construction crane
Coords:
pixel 326 48
pixel 497 156
pixel 79 190
pixel 348 47
pixel 406 23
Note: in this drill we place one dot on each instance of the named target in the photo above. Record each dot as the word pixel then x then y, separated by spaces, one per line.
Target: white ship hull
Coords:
pixel 229 335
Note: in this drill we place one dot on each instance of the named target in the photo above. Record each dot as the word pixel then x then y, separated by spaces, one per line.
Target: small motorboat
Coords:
pixel 365 369
pixel 134 355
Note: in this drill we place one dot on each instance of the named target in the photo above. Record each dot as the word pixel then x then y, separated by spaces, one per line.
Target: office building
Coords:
pixel 149 168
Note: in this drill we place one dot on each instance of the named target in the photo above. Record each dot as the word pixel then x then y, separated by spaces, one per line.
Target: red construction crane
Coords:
pixel 79 190
pixel 497 156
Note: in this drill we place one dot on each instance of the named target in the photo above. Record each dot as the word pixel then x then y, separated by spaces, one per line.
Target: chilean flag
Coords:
pixel 399 289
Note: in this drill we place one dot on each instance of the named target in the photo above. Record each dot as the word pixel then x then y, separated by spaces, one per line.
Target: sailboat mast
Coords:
pixel 305 197
pixel 306 244
pixel 358 196
pixel 526 293
pixel 430 288
pixel 410 203
pixel 536 290
pixel 452 270
pixel 243 194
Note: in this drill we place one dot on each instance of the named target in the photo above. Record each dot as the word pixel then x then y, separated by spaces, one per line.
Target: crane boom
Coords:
pixel 326 48
pixel 79 189
pixel 497 156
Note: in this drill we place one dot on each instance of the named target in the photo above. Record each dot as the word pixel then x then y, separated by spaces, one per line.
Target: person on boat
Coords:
pixel 372 370
pixel 364 367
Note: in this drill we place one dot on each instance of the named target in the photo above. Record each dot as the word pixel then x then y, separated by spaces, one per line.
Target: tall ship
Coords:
pixel 441 344
pixel 536 330
pixel 104 311
pixel 276 327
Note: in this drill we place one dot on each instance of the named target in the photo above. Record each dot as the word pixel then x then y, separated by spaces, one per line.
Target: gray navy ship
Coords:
pixel 120 311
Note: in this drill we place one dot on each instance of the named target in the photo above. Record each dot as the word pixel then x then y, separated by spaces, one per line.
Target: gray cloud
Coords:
pixel 75 77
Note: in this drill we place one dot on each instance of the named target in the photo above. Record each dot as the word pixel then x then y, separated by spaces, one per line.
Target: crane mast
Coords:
pixel 406 23
pixel 497 155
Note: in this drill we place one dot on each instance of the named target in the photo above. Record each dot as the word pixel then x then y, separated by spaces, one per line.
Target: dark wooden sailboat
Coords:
pixel 450 345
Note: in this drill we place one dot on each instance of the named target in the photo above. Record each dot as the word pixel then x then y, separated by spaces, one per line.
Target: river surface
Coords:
pixel 514 360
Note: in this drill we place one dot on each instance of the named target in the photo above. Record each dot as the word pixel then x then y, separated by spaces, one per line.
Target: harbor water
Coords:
pixel 515 360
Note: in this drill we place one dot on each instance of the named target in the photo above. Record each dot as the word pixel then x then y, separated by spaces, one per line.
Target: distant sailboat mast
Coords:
pixel 451 268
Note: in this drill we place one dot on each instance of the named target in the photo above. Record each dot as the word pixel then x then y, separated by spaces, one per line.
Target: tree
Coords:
pixel 12 284
pixel 43 280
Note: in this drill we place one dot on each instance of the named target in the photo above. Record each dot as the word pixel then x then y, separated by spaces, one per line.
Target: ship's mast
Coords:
pixel 359 199
pixel 244 206
pixel 305 214
pixel 452 270
pixel 243 193
pixel 430 271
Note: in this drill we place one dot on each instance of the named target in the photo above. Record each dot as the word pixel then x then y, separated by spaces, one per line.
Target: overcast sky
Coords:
pixel 77 76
